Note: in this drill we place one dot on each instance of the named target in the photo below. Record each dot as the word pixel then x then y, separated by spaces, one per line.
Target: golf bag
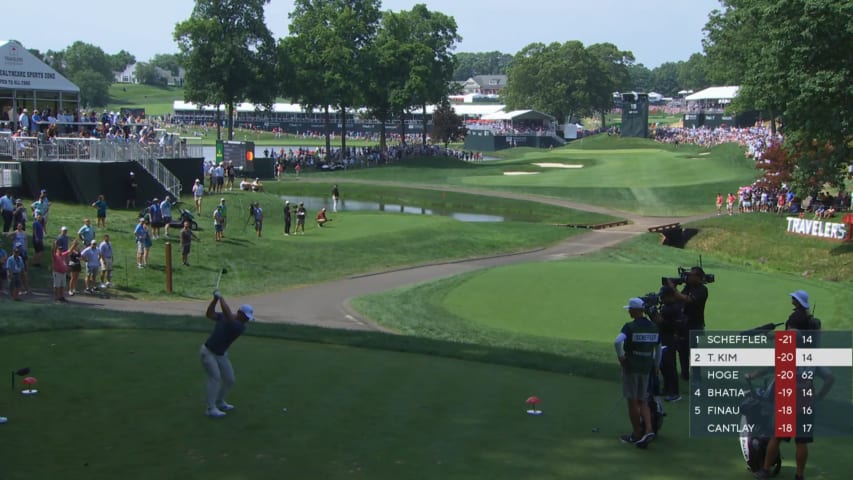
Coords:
pixel 758 409
pixel 655 407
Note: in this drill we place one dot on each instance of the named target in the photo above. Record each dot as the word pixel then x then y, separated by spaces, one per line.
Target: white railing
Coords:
pixel 95 150
pixel 10 174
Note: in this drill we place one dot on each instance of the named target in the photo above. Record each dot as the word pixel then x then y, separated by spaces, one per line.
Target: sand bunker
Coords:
pixel 558 165
pixel 521 173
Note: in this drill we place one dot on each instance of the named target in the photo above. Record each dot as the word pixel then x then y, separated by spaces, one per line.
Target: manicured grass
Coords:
pixel 128 403
pixel 760 240
pixel 634 175
pixel 573 307
pixel 355 242
pixel 155 100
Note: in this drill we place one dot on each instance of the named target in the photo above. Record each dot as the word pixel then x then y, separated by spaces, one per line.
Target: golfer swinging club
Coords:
pixel 214 352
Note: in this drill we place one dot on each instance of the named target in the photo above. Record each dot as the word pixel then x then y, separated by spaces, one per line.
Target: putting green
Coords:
pixel 583 300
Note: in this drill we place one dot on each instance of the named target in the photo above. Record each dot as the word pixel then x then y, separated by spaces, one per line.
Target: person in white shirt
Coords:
pixel 105 250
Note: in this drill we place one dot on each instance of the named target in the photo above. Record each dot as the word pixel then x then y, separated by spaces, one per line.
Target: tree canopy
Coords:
pixel 226 49
pixel 469 64
pixel 566 80
pixel 792 68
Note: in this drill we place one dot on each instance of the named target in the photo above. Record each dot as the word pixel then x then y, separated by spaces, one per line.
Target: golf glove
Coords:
pixel 216 295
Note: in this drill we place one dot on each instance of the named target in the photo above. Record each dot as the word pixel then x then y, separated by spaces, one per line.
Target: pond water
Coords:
pixel 313 204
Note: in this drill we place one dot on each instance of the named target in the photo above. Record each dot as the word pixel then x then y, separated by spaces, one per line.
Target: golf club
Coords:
pixel 607 416
pixel 219 278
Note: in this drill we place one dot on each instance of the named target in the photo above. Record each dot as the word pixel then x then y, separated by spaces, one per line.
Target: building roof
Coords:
pixel 519 115
pixel 714 93
pixel 470 110
pixel 493 81
pixel 21 70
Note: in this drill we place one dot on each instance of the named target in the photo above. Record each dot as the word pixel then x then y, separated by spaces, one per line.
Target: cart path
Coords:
pixel 328 304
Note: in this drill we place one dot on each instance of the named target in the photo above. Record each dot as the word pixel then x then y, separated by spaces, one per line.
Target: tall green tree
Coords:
pixel 555 78
pixel 385 89
pixel 608 76
pixel 227 49
pixel 469 64
pixel 639 79
pixel 447 126
pixel 119 61
pixel 329 47
pixel 665 78
pixel 793 67
pixel 432 36
pixel 147 74
pixel 88 67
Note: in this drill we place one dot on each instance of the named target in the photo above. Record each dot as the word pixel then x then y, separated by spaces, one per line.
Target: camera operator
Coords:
pixel 673 327
pixel 694 295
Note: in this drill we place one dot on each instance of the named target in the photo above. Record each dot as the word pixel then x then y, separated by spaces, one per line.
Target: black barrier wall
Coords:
pixel 635 115
pixel 82 182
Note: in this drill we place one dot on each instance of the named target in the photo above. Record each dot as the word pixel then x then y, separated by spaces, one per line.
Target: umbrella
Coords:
pixel 533 403
pixel 30 383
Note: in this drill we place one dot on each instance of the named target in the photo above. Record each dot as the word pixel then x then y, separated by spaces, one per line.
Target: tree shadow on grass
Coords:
pixel 842 249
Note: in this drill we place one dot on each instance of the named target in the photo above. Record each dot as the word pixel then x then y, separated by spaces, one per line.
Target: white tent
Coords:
pixel 723 94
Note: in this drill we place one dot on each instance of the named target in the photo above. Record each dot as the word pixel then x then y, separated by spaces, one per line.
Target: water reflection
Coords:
pixel 316 203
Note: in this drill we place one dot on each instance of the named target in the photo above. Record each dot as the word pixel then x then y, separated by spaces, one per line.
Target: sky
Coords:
pixel 656 31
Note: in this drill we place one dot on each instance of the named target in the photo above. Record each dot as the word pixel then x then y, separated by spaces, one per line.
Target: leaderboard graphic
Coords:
pixel 771 383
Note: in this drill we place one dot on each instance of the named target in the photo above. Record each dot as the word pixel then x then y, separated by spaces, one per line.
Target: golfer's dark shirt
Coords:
pixel 672 322
pixel 695 309
pixel 224 334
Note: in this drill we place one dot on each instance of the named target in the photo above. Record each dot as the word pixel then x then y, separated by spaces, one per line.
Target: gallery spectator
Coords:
pixel 101 206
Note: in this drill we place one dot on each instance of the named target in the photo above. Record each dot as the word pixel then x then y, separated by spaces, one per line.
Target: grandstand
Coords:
pixel 294 118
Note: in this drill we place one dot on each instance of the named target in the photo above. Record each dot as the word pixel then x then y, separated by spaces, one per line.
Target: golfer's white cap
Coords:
pixel 64 228
pixel 248 311
pixel 635 303
pixel 801 297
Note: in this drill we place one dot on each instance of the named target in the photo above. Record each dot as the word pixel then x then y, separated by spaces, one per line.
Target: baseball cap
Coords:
pixel 248 311
pixel 93 242
pixel 801 297
pixel 634 303
pixel 64 228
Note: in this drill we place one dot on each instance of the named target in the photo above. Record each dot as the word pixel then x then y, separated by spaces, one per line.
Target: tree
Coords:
pixel 608 76
pixel 665 79
pixel 329 47
pixel 639 79
pixel 121 60
pixel 692 74
pixel 799 74
pixel 556 78
pixel 167 61
pixel 447 126
pixel 469 64
pixel 432 38
pixel 88 67
pixel 227 48
pixel 385 91
pixel 147 74
pixel 94 88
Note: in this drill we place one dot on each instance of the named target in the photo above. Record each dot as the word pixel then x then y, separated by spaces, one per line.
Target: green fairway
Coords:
pixel 634 175
pixel 129 404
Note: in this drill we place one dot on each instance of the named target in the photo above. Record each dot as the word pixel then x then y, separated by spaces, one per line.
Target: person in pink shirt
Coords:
pixel 60 269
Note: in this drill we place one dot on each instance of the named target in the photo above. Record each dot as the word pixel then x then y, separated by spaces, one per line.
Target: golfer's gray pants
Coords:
pixel 220 376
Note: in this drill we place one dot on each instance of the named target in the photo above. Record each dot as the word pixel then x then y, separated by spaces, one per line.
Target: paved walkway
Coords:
pixel 327 304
